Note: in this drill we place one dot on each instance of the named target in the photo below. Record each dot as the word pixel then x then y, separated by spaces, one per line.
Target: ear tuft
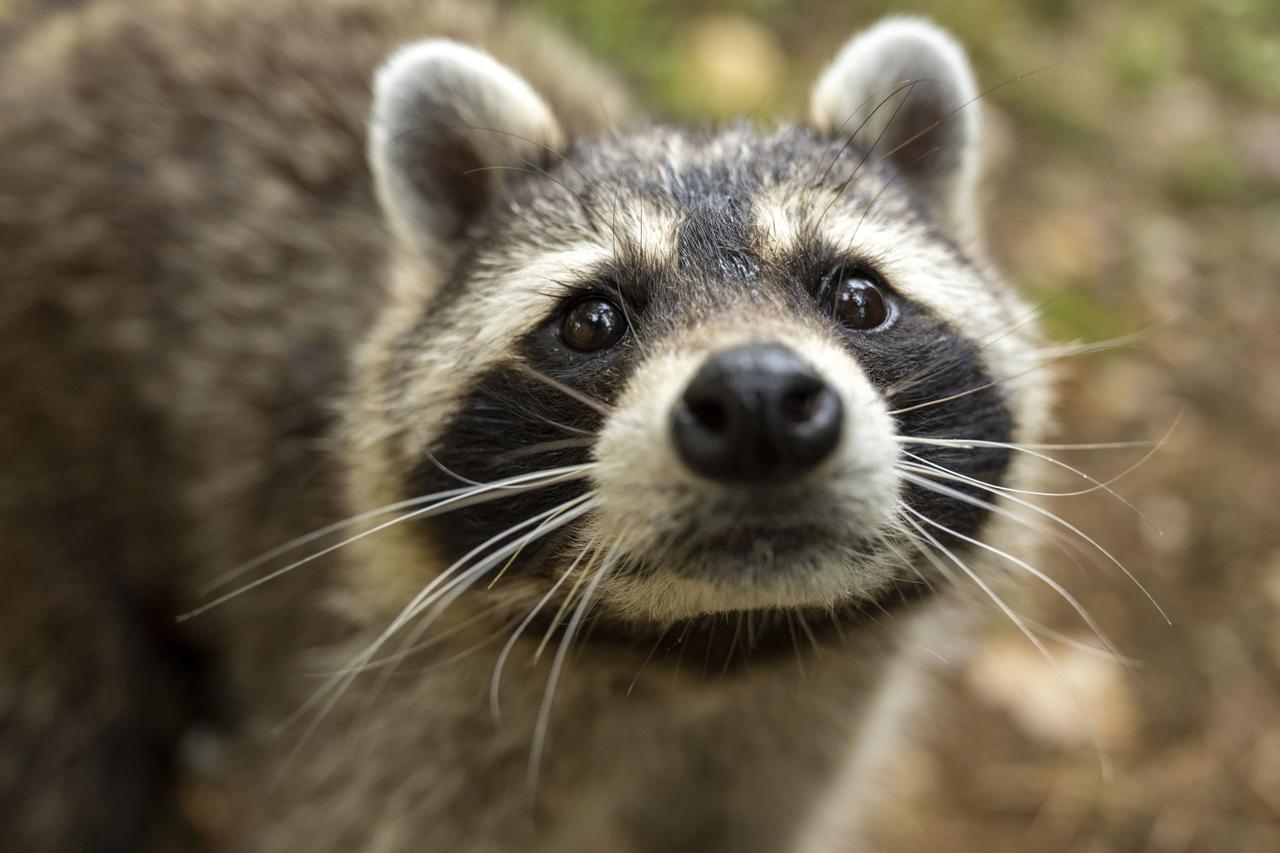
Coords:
pixel 905 87
pixel 446 120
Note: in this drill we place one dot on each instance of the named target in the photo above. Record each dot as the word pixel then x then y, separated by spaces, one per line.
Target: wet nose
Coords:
pixel 756 414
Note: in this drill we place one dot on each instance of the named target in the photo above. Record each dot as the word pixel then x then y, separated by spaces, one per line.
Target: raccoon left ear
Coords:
pixel 905 88
pixel 447 119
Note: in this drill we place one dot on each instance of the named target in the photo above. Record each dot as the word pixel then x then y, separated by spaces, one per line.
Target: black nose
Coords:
pixel 756 414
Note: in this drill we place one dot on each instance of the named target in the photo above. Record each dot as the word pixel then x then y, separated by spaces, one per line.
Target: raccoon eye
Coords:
pixel 593 324
pixel 858 302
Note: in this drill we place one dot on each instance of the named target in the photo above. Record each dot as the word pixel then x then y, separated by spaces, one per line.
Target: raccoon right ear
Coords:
pixel 904 91
pixel 447 119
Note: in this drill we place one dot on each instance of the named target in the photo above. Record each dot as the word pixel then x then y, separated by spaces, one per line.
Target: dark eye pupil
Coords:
pixel 593 324
pixel 859 304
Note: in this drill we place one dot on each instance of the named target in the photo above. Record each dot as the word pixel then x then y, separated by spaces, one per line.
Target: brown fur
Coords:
pixel 192 254
pixel 179 295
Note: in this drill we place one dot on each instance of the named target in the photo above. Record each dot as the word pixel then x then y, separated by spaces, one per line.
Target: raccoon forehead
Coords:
pixel 677 199
pixel 666 174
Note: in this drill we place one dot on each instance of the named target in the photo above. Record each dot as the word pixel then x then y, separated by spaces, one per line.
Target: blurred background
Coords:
pixel 1134 184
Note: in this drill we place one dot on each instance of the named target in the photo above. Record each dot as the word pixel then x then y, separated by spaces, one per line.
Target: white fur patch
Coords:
pixel 480 330
pixel 776 223
pixel 646 490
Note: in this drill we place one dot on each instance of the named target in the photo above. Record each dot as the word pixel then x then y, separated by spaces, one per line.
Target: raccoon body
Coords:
pixel 616 436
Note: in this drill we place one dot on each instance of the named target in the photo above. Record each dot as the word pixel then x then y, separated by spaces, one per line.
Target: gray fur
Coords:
pixel 233 313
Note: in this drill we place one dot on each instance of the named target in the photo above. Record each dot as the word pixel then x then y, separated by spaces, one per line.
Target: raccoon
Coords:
pixel 534 475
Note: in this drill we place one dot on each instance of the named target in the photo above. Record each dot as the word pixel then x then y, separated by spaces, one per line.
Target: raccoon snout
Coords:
pixel 756 414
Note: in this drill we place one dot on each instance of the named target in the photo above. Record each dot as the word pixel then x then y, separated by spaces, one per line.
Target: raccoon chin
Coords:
pixel 768 627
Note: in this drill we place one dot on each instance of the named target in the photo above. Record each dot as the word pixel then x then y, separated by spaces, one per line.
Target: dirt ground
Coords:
pixel 1134 182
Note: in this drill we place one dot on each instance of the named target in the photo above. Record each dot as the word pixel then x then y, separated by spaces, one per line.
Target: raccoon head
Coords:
pixel 689 374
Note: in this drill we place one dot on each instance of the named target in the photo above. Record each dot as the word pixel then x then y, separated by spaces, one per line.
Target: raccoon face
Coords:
pixel 687 374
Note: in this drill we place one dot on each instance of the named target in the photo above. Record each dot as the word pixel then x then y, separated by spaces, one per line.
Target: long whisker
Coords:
pixel 321 532
pixel 544 712
pixel 1021 626
pixel 1111 481
pixel 402 654
pixel 543 447
pixel 568 391
pixel 422 626
pixel 969 444
pixel 955 112
pixel 998 335
pixel 445 592
pixel 495 682
pixel 543 478
pixel 559 516
pixel 857 169
pixel 905 84
pixel 1086 648
pixel 969 499
pixel 1032 570
pixel 1065 544
pixel 1048 356
pixel 449 472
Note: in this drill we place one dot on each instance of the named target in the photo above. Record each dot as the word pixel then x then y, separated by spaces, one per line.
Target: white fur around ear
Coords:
pixel 446 119
pixel 905 87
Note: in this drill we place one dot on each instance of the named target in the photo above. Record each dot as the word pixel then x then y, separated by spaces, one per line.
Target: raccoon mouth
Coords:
pixel 717 644
pixel 777 528
pixel 754 538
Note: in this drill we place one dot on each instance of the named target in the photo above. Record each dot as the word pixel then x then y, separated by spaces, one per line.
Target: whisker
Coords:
pixel 901 85
pixel 1017 323
pixel 1048 581
pixel 544 712
pixel 412 609
pixel 334 688
pixel 1022 627
pixel 953 113
pixel 969 444
pixel 496 681
pixel 402 654
pixel 552 519
pixel 733 645
pixel 564 607
pixel 795 645
pixel 1086 648
pixel 546 478
pixel 542 447
pixel 905 84
pixel 1050 356
pixel 644 663
pixel 969 499
pixel 1010 490
pixel 319 533
pixel 857 169
pixel 449 472
pixel 424 624
pixel 584 399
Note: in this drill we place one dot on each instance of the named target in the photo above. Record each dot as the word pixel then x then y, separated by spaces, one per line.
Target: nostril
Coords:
pixel 709 414
pixel 756 414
